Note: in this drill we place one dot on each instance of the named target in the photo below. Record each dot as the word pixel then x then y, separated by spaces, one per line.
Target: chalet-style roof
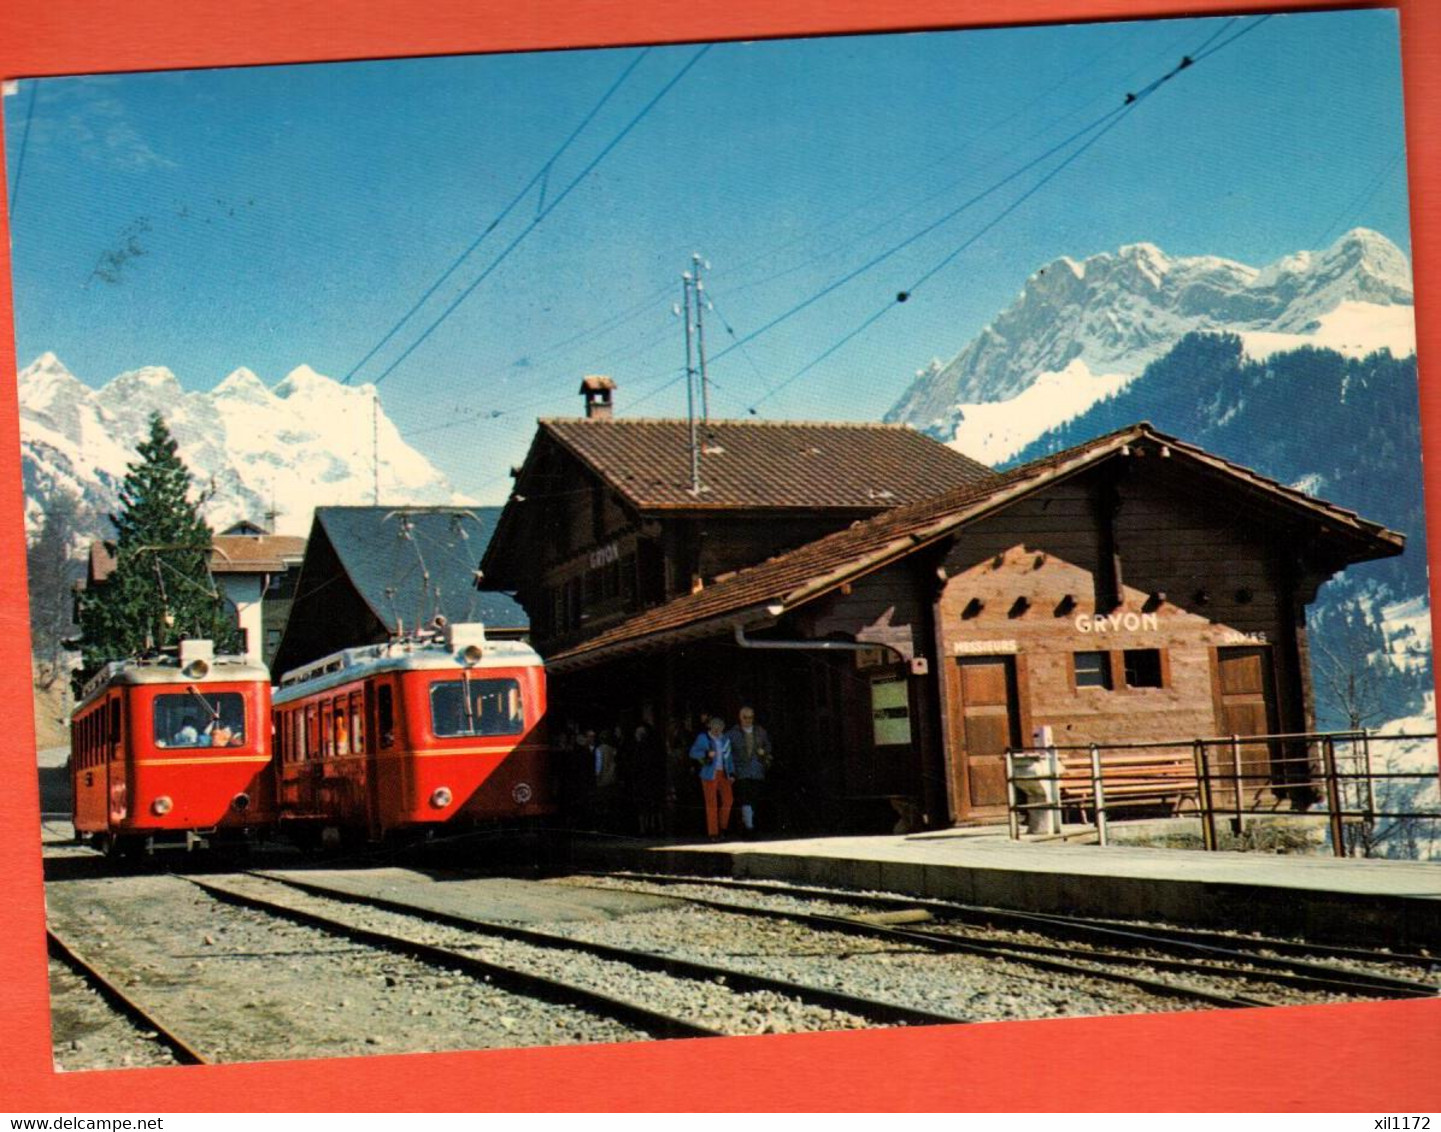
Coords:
pixel 255 554
pixel 371 572
pixel 766 591
pixel 229 554
pixel 765 464
pixel 387 553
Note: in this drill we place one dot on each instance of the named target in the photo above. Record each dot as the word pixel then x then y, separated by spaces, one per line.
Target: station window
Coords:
pixel 1093 670
pixel 1143 668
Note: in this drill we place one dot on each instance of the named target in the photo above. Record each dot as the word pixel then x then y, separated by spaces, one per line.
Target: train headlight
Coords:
pixel 522 793
pixel 162 805
pixel 472 654
pixel 241 802
pixel 441 797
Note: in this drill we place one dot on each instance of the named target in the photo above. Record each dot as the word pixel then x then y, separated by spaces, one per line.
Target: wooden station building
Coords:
pixel 898 614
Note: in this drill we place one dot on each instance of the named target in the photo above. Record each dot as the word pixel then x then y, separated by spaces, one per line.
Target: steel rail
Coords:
pixel 1177 939
pixel 878 1010
pixel 1357 985
pixel 820 922
pixel 643 1018
pixel 110 991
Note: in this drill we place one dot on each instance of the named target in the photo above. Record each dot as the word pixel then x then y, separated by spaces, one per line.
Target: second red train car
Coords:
pixel 442 728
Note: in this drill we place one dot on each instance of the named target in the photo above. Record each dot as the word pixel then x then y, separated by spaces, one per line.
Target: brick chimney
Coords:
pixel 596 390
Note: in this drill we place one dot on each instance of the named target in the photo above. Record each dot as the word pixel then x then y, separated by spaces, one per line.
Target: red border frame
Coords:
pixel 1376 1057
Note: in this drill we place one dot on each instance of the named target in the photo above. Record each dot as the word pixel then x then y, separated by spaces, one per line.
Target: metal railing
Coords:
pixel 1328 775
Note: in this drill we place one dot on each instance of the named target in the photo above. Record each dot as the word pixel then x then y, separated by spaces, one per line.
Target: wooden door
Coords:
pixel 988 721
pixel 1245 705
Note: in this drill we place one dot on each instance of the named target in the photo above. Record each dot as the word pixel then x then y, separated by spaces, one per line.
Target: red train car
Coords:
pixel 407 735
pixel 172 751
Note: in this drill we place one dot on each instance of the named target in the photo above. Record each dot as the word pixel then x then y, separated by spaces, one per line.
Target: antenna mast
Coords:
pixel 700 303
pixel 687 282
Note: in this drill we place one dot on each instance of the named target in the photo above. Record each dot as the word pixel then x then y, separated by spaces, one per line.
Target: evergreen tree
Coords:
pixel 161 590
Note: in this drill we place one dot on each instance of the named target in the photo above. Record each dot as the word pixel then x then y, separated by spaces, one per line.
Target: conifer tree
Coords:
pixel 161 590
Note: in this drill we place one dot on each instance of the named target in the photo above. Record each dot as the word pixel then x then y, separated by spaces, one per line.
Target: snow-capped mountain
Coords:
pixel 306 442
pixel 1081 330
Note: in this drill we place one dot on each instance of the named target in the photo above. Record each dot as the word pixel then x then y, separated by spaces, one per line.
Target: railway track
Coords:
pixel 1143 947
pixel 571 990
pixel 875 1010
pixel 144 1017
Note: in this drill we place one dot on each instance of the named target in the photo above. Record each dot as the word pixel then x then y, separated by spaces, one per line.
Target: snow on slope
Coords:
pixel 993 431
pixel 303 443
pixel 1117 313
pixel 1353 329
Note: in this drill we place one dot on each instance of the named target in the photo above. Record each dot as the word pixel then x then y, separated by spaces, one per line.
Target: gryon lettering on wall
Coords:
pixel 1116 622
pixel 604 556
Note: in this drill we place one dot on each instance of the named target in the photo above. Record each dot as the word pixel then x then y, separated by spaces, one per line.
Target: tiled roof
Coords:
pixel 254 554
pixel 766 464
pixel 791 579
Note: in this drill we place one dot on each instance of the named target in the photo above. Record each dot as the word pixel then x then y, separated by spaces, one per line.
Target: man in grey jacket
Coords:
pixel 751 750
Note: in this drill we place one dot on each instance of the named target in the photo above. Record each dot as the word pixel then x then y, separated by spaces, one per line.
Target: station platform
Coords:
pixel 1368 902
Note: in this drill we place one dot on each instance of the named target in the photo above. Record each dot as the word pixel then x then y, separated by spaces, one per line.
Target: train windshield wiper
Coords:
pixel 211 709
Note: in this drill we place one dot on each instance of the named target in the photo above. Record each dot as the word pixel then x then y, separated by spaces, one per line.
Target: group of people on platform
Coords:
pixel 630 781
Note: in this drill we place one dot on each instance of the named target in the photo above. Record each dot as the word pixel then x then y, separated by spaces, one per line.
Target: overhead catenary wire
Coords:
pixel 612 322
pixel 24 144
pixel 535 223
pixel 541 177
pixel 1111 120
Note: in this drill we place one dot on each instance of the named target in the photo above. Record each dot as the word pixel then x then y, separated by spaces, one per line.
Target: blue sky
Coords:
pixel 269 217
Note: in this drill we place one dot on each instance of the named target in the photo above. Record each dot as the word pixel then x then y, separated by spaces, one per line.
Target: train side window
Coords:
pixel 341 719
pixel 114 721
pixel 385 714
pixel 357 724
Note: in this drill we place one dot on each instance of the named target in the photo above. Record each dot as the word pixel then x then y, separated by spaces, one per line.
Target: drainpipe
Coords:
pixel 821 646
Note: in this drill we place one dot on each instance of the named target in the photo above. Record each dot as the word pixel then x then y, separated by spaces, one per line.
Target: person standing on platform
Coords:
pixel 751 752
pixel 717 770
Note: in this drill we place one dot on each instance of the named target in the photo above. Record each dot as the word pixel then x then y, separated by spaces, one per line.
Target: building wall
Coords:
pixel 245 592
pixel 1034 583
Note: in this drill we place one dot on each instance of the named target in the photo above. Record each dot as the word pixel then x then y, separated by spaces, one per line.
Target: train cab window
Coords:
pixel 1093 669
pixel 195 719
pixel 1143 668
pixel 492 707
pixel 114 721
pixel 385 714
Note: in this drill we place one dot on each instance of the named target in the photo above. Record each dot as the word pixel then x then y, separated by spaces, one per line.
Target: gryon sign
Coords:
pixel 1117 622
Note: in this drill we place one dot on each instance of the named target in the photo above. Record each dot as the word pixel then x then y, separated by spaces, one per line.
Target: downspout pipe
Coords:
pixel 814 646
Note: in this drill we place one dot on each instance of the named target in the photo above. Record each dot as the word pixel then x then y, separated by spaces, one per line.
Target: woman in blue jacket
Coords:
pixel 717 770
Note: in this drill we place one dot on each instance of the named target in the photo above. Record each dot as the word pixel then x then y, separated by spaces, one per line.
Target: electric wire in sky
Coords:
pixel 535 223
pixel 542 177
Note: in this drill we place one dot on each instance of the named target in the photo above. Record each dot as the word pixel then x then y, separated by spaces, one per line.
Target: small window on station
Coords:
pixel 1093 670
pixel 1143 668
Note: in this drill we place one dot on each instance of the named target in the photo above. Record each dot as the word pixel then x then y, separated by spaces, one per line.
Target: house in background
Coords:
pixel 255 573
pixel 371 573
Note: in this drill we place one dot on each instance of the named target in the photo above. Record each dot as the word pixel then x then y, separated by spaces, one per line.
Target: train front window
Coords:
pixel 472 706
pixel 193 719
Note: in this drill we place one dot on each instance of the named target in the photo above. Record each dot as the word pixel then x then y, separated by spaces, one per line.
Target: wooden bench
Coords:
pixel 1133 778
